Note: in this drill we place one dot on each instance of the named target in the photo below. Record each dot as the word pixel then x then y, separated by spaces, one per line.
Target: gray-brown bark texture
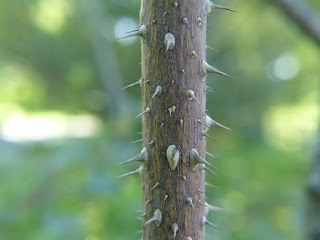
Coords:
pixel 174 120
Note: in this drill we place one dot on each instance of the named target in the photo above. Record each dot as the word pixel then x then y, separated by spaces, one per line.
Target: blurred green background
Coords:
pixel 65 123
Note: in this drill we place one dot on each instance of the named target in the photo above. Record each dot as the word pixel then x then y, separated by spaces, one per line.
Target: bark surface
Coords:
pixel 173 118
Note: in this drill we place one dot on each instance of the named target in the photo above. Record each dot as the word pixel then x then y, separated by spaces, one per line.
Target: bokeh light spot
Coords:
pixel 123 25
pixel 51 16
pixel 287 66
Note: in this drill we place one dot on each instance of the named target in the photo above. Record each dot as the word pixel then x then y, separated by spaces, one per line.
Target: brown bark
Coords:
pixel 173 119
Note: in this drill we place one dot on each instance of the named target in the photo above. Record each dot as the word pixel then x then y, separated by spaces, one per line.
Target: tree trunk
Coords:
pixel 174 119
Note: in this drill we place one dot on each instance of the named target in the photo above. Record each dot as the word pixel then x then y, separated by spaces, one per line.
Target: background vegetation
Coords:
pixel 65 123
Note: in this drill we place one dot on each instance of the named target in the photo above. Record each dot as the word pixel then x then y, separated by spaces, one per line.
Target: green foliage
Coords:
pixel 67 189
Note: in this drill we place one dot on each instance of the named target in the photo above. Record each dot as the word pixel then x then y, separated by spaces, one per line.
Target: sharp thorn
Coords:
pixel 144 112
pixel 212 49
pixel 175 229
pixel 210 122
pixel 208 136
pixel 210 185
pixel 157 92
pixel 209 170
pixel 206 68
pixel 157 218
pixel 137 141
pixel 210 154
pixel 137 33
pixel 156 185
pixel 133 84
pixel 216 6
pixel 143 156
pixel 205 221
pixel 137 171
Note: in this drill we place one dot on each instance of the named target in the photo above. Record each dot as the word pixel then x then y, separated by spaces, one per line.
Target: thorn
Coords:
pixel 200 21
pixel 141 32
pixel 137 141
pixel 157 218
pixel 157 92
pixel 169 41
pixel 189 202
pixel 210 185
pixel 182 71
pixel 141 216
pixel 208 136
pixel 195 159
pixel 208 89
pixel 139 82
pixel 212 49
pixel 171 110
pixel 133 84
pixel 199 121
pixel 210 207
pixel 206 68
pixel 144 112
pixel 193 54
pixel 210 122
pixel 149 200
pixel 200 191
pixel 137 171
pixel 184 178
pixel 165 198
pixel 175 4
pixel 151 143
pixel 143 156
pixel 188 238
pixel 210 154
pixel 156 185
pixel 190 96
pixel 175 229
pixel 209 170
pixel 181 122
pixel 173 155
pixel 136 29
pixel 205 221
pixel 216 6
pixel 185 20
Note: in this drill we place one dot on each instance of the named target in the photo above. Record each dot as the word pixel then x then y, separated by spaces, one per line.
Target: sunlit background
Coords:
pixel 65 122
